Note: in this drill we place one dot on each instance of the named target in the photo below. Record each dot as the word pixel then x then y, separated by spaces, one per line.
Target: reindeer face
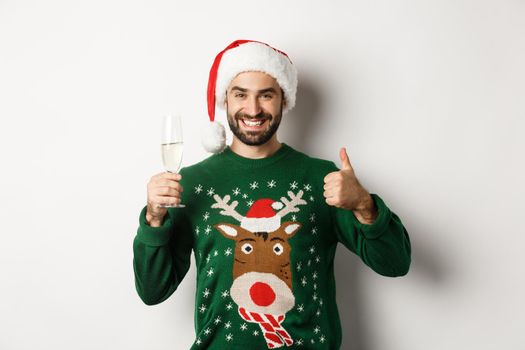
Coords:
pixel 261 269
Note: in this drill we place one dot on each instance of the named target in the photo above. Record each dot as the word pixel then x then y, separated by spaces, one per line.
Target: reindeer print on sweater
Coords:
pixel 262 286
pixel 254 226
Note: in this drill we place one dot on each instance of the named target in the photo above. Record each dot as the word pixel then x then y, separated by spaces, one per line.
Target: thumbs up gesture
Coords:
pixel 343 190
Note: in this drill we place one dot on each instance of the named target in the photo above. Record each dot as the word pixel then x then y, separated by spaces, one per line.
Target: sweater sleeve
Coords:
pixel 161 256
pixel 383 245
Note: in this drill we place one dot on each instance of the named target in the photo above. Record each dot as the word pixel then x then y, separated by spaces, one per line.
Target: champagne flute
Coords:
pixel 172 147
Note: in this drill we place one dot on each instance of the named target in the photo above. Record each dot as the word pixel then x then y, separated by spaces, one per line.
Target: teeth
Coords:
pixel 250 123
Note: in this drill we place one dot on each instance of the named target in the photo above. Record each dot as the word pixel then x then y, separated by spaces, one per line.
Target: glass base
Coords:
pixel 172 206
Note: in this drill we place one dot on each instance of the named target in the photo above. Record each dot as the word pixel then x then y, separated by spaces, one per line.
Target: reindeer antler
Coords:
pixel 228 209
pixel 291 206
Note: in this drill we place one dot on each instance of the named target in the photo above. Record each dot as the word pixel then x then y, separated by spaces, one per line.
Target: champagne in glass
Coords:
pixel 172 156
pixel 172 146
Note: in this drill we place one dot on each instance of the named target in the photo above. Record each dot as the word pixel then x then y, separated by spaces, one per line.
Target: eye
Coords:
pixel 268 96
pixel 247 248
pixel 278 248
pixel 239 95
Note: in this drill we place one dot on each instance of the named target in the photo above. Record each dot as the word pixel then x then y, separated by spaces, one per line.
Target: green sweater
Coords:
pixel 264 242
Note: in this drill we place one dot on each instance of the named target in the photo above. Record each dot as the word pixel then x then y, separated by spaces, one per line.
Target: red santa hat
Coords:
pixel 243 56
pixel 261 217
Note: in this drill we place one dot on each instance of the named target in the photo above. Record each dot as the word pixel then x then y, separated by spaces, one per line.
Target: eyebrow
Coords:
pixel 277 239
pixel 270 89
pixel 247 239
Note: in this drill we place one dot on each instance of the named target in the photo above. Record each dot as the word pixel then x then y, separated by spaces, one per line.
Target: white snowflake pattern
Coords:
pixel 309 262
pixel 210 272
pixel 294 218
pixel 308 187
pixel 236 191
pixel 197 230
pixel 198 189
pixel 206 293
pixel 312 249
pixel 229 337
pixel 317 259
pixel 228 325
pixel 225 294
pixel 229 306
pixel 322 339
pixel 207 331
pixel 299 342
pixel 207 230
pixel 243 327
pixel 300 308
pixel 217 320
pixel 249 203
pixel 303 281
pixel 312 217
pixel 312 341
pixel 299 266
pixel 315 286
pixel 254 185
pixel 317 329
pixel 314 230
pixel 314 275
pixel 208 259
pixel 271 184
pixel 198 341
pixel 294 185
pixel 318 313
pixel 321 302
pixel 311 198
pixel 202 308
pixel 228 251
pixel 244 196
pixel 211 191
pixel 206 216
pixel 314 297
pixel 256 332
pixel 215 252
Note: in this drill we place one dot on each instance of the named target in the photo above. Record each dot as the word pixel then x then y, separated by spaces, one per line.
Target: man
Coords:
pixel 262 219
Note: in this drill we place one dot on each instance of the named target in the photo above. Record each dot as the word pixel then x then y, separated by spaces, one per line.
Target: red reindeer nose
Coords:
pixel 262 294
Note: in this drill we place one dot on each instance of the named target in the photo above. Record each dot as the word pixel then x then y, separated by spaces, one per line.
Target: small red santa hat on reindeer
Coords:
pixel 261 216
pixel 244 56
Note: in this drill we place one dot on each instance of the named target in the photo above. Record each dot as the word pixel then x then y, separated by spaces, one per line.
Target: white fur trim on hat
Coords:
pixel 254 56
pixel 261 224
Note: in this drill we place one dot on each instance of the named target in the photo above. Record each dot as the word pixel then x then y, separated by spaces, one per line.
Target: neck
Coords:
pixel 255 152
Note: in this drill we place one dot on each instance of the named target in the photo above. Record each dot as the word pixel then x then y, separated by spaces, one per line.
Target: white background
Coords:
pixel 428 97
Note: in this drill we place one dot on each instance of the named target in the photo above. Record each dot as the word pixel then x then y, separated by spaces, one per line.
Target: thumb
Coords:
pixel 345 161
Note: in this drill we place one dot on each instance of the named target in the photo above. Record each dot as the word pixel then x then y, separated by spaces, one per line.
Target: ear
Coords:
pixel 229 231
pixel 290 228
pixel 225 102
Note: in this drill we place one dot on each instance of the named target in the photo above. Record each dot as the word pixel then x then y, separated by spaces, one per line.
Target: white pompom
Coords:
pixel 214 138
pixel 277 205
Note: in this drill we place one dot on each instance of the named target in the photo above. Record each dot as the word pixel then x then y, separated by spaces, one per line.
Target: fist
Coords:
pixel 163 189
pixel 343 190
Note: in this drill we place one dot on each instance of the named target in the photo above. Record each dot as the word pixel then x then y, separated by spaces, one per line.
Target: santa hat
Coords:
pixel 261 217
pixel 243 56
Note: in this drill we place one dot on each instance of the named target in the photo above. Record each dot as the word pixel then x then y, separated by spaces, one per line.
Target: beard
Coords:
pixel 254 138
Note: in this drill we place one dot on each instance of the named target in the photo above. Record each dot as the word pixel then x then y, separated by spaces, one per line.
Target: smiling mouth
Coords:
pixel 253 124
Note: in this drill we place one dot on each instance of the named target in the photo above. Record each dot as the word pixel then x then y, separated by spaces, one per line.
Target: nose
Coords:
pixel 252 107
pixel 262 294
